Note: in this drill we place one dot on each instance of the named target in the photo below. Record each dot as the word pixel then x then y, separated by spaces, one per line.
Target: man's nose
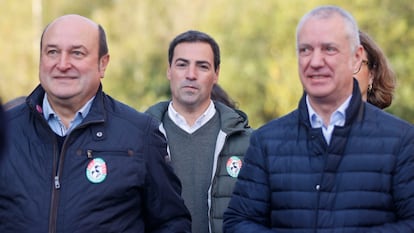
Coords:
pixel 64 62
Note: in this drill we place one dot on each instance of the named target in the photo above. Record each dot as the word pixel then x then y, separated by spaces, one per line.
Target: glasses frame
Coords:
pixel 363 62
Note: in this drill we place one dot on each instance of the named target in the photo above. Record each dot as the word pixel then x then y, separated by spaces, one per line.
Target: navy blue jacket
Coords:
pixel 2 129
pixel 293 182
pixel 45 190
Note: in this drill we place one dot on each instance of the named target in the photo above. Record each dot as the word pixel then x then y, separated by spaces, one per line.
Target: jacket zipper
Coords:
pixel 56 182
pixel 58 160
pixel 54 202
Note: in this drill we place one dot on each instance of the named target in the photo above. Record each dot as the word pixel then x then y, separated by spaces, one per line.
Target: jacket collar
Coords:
pixel 230 120
pixel 96 112
pixel 354 112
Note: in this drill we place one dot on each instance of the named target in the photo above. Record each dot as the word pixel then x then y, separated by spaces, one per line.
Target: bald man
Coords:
pixel 78 160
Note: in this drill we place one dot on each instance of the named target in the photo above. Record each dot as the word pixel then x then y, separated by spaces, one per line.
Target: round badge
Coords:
pixel 96 171
pixel 233 166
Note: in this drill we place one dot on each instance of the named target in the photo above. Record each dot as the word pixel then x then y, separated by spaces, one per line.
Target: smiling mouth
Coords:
pixel 189 87
pixel 317 76
pixel 64 77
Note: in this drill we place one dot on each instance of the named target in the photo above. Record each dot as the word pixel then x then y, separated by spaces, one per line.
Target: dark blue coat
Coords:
pixel 2 129
pixel 293 182
pixel 43 190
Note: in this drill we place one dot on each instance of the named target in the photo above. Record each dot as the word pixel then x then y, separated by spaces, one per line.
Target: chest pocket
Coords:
pixel 105 172
pixel 98 185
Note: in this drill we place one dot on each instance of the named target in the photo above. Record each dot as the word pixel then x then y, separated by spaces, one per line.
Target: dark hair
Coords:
pixel 195 36
pixel 103 45
pixel 219 94
pixel 383 84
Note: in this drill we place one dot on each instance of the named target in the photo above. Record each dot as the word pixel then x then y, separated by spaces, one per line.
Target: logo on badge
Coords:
pixel 233 166
pixel 96 171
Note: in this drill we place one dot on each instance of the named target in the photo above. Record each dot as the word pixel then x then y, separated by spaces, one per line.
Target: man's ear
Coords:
pixel 103 63
pixel 216 76
pixel 358 57
pixel 169 73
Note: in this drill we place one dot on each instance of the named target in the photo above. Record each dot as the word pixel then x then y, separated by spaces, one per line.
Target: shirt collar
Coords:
pixel 337 118
pixel 56 124
pixel 180 121
pixel 49 112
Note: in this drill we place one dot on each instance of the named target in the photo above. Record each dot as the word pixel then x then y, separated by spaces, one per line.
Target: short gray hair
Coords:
pixel 325 12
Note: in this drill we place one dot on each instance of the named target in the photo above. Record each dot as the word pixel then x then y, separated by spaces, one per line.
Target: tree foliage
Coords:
pixel 257 41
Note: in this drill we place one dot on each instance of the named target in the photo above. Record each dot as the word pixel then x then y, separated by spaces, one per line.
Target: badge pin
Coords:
pixel 96 171
pixel 233 166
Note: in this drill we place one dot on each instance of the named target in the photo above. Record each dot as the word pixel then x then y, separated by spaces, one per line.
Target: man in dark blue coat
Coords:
pixel 2 129
pixel 336 164
pixel 79 161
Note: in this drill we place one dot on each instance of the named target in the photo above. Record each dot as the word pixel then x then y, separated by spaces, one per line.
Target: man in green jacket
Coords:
pixel 206 139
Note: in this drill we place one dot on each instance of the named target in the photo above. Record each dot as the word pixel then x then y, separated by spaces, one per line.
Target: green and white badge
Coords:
pixel 233 166
pixel 96 171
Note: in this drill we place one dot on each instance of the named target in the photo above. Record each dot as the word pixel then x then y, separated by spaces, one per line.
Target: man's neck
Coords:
pixel 190 113
pixel 325 108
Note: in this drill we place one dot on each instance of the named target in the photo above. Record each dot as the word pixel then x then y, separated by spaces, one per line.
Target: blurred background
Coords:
pixel 257 41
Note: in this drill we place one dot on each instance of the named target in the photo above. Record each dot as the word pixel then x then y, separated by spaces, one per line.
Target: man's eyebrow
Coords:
pixel 72 47
pixel 182 60
pixel 329 44
pixel 50 46
pixel 203 63
pixel 199 62
pixel 78 47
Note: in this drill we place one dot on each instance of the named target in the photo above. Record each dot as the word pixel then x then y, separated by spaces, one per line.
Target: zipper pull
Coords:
pixel 57 183
pixel 89 154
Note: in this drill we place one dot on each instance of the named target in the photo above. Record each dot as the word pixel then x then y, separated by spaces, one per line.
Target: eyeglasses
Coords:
pixel 363 62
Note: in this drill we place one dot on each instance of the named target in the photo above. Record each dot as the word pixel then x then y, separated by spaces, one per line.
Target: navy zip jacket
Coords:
pixel 292 181
pixel 110 175
pixel 3 130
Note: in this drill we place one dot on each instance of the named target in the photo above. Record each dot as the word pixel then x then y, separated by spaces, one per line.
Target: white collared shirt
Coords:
pixel 337 118
pixel 56 124
pixel 182 123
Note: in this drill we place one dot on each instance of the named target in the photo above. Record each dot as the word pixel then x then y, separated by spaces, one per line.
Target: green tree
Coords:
pixel 257 40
